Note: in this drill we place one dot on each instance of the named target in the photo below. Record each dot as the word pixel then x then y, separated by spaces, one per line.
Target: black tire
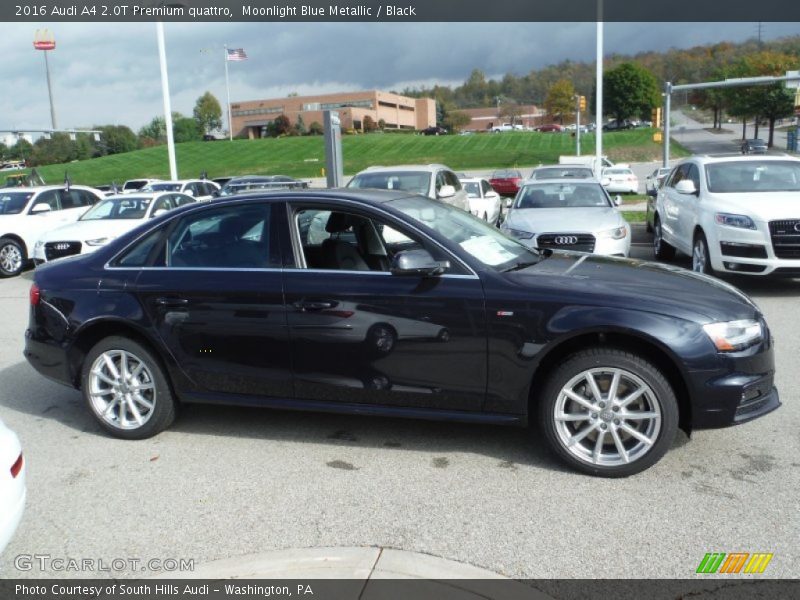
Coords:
pixel 13 257
pixel 647 226
pixel 164 407
pixel 661 249
pixel 659 392
pixel 701 261
pixel 381 339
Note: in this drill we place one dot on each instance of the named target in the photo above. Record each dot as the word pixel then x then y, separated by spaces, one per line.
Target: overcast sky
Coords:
pixel 109 73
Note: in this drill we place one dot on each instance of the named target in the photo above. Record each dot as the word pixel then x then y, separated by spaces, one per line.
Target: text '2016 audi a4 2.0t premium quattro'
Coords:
pixel 388 303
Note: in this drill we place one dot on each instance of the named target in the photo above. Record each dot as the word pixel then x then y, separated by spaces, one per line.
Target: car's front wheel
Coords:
pixel 608 412
pixel 126 389
pixel 12 257
pixel 661 249
pixel 701 261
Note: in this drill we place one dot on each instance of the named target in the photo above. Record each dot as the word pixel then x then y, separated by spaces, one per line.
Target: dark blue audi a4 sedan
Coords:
pixel 385 303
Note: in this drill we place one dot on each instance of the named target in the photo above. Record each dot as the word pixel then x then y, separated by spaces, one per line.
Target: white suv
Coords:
pixel 434 181
pixel 732 214
pixel 28 212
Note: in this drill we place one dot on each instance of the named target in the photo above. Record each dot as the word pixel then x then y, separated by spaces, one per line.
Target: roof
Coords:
pixel 364 195
pixel 395 168
pixel 713 158
pixel 561 180
pixel 42 188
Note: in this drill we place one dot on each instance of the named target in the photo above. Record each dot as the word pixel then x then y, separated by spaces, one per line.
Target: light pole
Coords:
pixel 162 58
pixel 598 130
pixel 45 41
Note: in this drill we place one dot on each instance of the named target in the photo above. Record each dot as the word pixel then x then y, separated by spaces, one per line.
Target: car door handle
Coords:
pixel 306 305
pixel 171 302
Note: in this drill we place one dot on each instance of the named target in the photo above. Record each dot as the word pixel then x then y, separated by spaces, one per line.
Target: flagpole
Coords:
pixel 228 91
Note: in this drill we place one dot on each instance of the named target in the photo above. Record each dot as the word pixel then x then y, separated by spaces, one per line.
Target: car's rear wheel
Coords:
pixel 381 339
pixel 661 249
pixel 126 389
pixel 608 412
pixel 701 261
pixel 12 257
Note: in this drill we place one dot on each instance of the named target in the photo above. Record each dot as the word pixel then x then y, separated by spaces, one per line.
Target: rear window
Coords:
pixel 416 182
pixel 13 203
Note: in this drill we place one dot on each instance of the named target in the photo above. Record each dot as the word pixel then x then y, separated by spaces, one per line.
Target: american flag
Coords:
pixel 236 54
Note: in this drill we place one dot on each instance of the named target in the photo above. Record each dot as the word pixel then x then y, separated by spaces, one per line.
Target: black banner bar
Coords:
pixel 636 11
pixel 398 589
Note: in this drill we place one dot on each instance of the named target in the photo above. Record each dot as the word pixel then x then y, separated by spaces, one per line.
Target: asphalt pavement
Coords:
pixel 230 482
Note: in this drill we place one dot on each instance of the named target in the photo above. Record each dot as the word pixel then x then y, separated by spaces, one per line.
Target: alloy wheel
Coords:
pixel 607 417
pixel 122 390
pixel 10 258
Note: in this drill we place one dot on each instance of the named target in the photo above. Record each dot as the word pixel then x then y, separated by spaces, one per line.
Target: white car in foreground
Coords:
pixel 105 221
pixel 620 180
pixel 12 484
pixel 733 214
pixel 568 214
pixel 26 213
pixel 484 202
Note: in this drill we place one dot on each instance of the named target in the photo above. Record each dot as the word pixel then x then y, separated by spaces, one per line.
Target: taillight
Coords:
pixel 343 314
pixel 16 468
pixel 35 295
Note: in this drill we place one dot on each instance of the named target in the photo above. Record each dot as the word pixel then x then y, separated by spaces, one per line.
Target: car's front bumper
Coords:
pixel 748 252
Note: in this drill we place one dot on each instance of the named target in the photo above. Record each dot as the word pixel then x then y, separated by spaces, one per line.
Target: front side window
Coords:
pixel 50 197
pixel 473 189
pixel 232 237
pixel 753 176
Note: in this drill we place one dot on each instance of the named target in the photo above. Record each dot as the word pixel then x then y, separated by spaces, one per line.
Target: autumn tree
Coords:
pixel 208 113
pixel 560 101
pixel 629 90
pixel 457 120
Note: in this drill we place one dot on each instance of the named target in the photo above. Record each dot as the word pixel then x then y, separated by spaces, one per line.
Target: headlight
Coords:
pixel 617 233
pixel 519 234
pixel 740 221
pixel 734 335
pixel 98 241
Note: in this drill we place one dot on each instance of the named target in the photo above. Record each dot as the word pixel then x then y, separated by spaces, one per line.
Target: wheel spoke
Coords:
pixel 568 417
pixel 123 365
pixel 134 411
pixel 143 401
pixel 598 395
pixel 638 416
pixel 612 389
pixel 110 408
pixel 639 436
pixel 138 387
pixel 579 399
pixel 577 438
pixel 632 396
pixel 620 446
pixel 103 377
pixel 112 368
pixel 598 446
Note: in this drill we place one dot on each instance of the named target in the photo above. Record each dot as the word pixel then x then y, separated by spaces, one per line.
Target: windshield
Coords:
pixel 753 176
pixel 123 207
pixel 162 187
pixel 561 172
pixel 562 195
pixel 13 203
pixel 416 182
pixel 482 241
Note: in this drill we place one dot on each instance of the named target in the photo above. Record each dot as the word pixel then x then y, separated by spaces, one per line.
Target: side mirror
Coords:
pixel 159 212
pixel 491 194
pixel 446 191
pixel 215 194
pixel 685 186
pixel 652 192
pixel 189 193
pixel 40 208
pixel 617 200
pixel 417 263
pixel 605 182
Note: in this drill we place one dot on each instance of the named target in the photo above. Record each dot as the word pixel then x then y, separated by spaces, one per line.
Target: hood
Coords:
pixel 641 285
pixel 761 206
pixel 89 230
pixel 563 220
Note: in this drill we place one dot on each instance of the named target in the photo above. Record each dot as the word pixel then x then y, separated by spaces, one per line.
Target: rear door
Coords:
pixel 215 296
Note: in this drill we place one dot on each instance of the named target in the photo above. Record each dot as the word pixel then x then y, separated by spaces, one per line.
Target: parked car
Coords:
pixel 434 130
pixel 655 179
pixel 12 484
pixel 507 127
pixel 562 172
pixel 609 356
pixel 732 214
pixel 754 146
pixel 105 221
pixel 134 185
pixel 550 128
pixel 437 182
pixel 506 181
pixel 28 212
pixel 221 181
pixel 201 190
pixel 253 183
pixel 570 214
pixel 620 180
pixel 618 125
pixel 484 202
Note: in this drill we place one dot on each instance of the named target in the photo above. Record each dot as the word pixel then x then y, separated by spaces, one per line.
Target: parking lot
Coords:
pixel 225 482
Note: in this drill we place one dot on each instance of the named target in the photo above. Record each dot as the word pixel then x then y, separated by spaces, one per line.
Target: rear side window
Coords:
pixel 138 255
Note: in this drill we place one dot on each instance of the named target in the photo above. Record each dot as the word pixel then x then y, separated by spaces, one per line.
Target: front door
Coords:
pixel 362 335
